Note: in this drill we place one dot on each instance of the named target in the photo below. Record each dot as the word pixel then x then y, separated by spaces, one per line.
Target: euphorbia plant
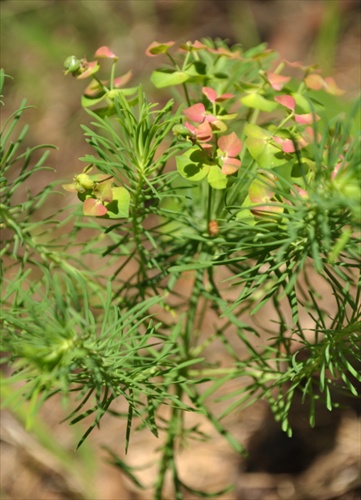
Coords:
pixel 244 175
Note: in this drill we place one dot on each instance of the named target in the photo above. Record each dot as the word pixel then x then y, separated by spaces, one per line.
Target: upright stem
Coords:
pixel 183 69
pixel 191 314
pixel 112 74
pixel 209 206
pixel 174 428
pixel 138 231
pixel 186 94
pixel 168 458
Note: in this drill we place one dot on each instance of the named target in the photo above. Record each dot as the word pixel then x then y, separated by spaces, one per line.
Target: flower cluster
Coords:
pixel 257 115
pixel 219 157
pixel 99 197
pixel 98 91
pixel 215 154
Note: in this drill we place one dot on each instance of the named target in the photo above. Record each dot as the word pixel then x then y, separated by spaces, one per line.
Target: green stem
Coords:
pixel 138 231
pixel 178 69
pixel 104 87
pixel 191 315
pixel 185 63
pixel 211 372
pixel 112 74
pixel 209 205
pixel 254 117
pixel 284 121
pixel 279 68
pixel 168 458
pixel 175 424
pixel 198 326
pixel 186 94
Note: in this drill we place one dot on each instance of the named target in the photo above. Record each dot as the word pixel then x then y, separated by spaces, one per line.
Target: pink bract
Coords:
pixel 189 46
pixel 306 119
pixel 227 53
pixel 286 100
pixel 287 145
pixel 202 133
pixel 106 53
pixel 94 207
pixel 211 94
pixel 91 68
pixel 301 191
pixel 197 113
pixel 230 165
pixel 299 65
pixel 277 81
pixel 156 48
pixel 331 86
pixel 230 144
pixel 122 80
pixel 316 82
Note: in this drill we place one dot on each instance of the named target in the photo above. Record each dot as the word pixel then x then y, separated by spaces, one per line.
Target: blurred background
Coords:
pixel 36 38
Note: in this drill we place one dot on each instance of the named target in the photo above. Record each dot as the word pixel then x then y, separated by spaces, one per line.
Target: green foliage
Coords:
pixel 261 188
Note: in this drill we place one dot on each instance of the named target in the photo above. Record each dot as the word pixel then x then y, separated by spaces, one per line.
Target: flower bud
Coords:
pixel 181 130
pixel 213 228
pixel 85 181
pixel 72 65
